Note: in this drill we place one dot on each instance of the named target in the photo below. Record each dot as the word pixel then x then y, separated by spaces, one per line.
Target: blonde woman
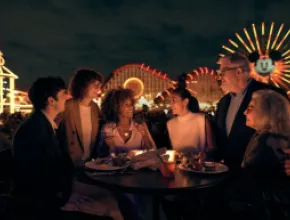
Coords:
pixel 268 113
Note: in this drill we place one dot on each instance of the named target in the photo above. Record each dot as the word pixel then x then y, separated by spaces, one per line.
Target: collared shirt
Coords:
pixel 236 101
pixel 53 124
pixel 135 142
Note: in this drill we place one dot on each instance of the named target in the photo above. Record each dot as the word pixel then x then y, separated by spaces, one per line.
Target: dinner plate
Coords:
pixel 219 168
pixel 100 166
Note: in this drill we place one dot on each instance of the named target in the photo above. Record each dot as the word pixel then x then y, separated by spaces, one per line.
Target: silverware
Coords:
pixel 110 173
pixel 102 173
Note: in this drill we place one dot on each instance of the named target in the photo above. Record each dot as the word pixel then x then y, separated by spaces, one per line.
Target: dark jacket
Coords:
pixel 42 168
pixel 261 172
pixel 231 148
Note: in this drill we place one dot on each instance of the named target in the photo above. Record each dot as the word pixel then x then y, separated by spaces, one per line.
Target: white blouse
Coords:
pixel 135 142
pixel 187 133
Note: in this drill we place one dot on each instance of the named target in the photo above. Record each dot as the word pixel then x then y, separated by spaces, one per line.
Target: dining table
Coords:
pixel 153 183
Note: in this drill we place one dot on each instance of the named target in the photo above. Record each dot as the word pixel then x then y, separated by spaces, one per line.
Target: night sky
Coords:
pixel 41 38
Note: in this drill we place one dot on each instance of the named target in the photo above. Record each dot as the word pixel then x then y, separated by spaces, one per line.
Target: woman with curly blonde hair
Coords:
pixel 270 111
pixel 268 114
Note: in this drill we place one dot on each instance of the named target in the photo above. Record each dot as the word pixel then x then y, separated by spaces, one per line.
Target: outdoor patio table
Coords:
pixel 153 183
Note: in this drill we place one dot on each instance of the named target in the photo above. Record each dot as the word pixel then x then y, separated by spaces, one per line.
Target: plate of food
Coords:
pixel 193 163
pixel 111 163
pixel 205 168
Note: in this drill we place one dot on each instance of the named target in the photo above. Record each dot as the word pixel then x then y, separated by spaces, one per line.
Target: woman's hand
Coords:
pixel 142 128
pixel 110 142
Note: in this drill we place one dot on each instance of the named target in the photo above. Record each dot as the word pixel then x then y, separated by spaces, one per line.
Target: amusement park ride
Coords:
pixel 266 47
pixel 268 50
pixel 11 100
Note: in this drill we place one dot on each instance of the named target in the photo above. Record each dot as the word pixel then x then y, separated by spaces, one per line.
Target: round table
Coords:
pixel 153 183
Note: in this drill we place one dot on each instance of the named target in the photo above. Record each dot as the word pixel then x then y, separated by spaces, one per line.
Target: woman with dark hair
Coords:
pixel 121 133
pixel 80 121
pixel 189 130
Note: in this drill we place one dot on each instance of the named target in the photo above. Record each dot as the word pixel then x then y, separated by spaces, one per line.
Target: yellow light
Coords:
pixel 243 42
pixel 256 39
pixel 283 39
pixel 228 49
pixel 270 37
pixel 277 36
pixel 233 43
pixel 138 81
pixel 284 54
pixel 249 39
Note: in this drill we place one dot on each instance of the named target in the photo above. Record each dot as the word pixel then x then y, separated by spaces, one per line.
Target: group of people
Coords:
pixel 250 134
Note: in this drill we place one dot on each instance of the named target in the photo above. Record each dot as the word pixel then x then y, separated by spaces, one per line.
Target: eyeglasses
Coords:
pixel 222 72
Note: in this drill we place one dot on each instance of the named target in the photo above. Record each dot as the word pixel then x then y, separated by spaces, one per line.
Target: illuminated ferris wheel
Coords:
pixel 267 49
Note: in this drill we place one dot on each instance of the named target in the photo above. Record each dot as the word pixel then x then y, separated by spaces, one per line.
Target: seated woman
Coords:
pixel 262 167
pixel 121 133
pixel 269 114
pixel 78 132
pixel 189 130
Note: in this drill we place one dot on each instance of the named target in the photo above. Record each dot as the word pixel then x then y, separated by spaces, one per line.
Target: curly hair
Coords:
pixel 81 80
pixel 111 103
pixel 272 112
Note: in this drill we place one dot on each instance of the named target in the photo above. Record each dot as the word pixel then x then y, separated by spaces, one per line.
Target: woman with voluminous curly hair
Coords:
pixel 121 132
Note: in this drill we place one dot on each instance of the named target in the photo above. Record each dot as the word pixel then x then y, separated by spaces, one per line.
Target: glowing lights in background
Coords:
pixel 136 85
pixel 268 50
pixel 15 100
pixel 194 83
pixel 150 69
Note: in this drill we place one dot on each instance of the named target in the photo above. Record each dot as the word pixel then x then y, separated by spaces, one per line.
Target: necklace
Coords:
pixel 126 134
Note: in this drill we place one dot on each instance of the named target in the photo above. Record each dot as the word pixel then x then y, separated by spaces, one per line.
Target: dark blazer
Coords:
pixel 42 168
pixel 261 173
pixel 231 148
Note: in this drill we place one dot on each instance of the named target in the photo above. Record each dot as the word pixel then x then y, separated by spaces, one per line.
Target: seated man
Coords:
pixel 43 169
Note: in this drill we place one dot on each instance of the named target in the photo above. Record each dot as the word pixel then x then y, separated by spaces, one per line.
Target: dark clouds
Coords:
pixel 55 37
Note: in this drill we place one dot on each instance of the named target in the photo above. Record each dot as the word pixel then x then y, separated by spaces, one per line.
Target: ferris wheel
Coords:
pixel 267 48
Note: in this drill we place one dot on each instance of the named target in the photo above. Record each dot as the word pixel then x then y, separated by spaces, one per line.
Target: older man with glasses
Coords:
pixel 232 134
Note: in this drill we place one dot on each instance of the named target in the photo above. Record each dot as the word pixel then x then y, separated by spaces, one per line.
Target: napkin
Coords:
pixel 150 159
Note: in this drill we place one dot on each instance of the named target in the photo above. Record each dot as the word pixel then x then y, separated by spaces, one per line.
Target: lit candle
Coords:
pixel 171 154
